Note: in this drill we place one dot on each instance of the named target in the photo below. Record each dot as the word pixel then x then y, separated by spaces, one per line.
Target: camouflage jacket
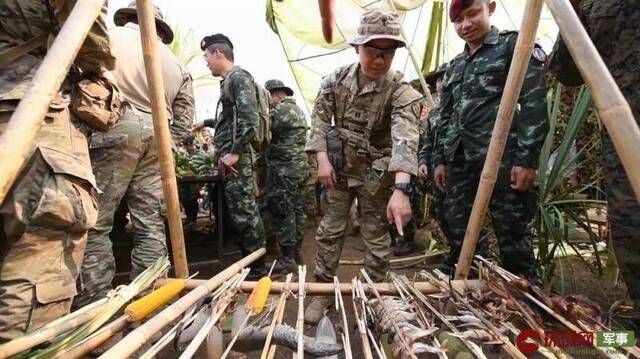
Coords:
pixel 613 27
pixel 183 108
pixel 427 154
pixel 390 105
pixel 24 20
pixel 241 100
pixel 473 87
pixel 285 153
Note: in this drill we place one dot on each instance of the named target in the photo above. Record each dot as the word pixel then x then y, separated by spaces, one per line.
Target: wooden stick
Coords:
pixel 272 349
pixel 508 103
pixel 302 276
pixel 16 142
pixel 129 344
pixel 153 67
pixel 399 260
pixel 359 314
pixel 345 325
pixel 282 301
pixel 98 338
pixel 345 289
pixel 613 109
pixel 52 330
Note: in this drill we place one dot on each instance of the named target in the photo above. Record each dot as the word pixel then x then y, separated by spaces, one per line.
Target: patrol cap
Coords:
pixel 378 24
pixel 432 77
pixel 457 7
pixel 130 14
pixel 215 39
pixel 275 84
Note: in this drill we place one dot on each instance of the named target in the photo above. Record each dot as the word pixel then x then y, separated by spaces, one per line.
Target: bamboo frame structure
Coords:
pixel 328 289
pixel 613 109
pixel 137 338
pixel 16 142
pixel 153 69
pixel 508 103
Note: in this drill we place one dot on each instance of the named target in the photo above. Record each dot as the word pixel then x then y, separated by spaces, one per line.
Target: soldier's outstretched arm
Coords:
pixel 95 53
pixel 532 123
pixel 243 91
pixel 183 109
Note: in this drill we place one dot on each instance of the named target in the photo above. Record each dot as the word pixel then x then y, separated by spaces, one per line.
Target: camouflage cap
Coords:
pixel 378 24
pixel 130 14
pixel 278 85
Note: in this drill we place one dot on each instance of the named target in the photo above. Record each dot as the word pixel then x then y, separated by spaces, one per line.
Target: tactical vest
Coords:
pixel 364 124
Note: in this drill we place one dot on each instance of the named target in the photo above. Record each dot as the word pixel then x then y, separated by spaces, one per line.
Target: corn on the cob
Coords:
pixel 146 305
pixel 258 298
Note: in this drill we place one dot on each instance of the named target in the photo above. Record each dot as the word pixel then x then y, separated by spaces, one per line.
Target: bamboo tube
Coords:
pixel 613 109
pixel 52 330
pixel 129 344
pixel 508 103
pixel 98 338
pixel 328 289
pixel 161 131
pixel 16 142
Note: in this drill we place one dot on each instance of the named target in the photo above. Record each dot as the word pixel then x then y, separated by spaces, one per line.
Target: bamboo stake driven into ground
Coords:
pixel 16 142
pixel 613 108
pixel 162 135
pixel 508 103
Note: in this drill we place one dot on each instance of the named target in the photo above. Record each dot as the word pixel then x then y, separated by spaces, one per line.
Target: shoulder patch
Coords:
pixel 539 54
pixel 405 94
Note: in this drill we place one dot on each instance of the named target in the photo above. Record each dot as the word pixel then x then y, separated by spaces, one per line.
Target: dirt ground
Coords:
pixel 578 279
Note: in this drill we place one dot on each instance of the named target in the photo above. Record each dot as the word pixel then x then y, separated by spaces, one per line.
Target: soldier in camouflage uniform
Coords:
pixel 235 129
pixel 287 172
pixel 373 145
pixel 51 206
pixel 606 20
pixel 125 159
pixel 473 88
pixel 311 189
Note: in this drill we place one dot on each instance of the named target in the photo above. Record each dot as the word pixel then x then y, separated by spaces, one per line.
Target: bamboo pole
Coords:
pixel 327 289
pixel 508 103
pixel 98 338
pixel 129 344
pixel 613 109
pixel 52 330
pixel 153 69
pixel 16 142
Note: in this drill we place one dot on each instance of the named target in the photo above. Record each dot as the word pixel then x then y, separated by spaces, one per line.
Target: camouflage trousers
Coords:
pixel 374 230
pixel 624 214
pixel 44 219
pixel 285 205
pixel 242 206
pixel 511 213
pixel 126 165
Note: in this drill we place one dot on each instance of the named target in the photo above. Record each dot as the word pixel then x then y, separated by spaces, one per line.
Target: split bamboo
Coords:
pixel 613 109
pixel 141 335
pixel 328 289
pixel 508 103
pixel 98 338
pixel 161 131
pixel 16 142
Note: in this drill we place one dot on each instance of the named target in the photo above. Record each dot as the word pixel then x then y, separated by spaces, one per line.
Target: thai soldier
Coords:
pixel 51 206
pixel 235 129
pixel 606 20
pixel 371 153
pixel 125 159
pixel 287 172
pixel 473 88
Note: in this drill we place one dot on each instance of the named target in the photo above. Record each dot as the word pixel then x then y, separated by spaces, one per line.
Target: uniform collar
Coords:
pixel 492 38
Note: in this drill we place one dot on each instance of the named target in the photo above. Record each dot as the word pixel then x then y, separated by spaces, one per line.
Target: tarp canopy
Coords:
pixel 298 24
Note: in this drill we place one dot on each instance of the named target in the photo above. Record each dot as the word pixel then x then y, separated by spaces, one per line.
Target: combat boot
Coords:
pixel 316 309
pixel 286 263
pixel 405 248
pixel 257 270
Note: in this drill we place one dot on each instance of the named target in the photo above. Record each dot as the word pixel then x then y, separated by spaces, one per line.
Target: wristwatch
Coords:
pixel 405 187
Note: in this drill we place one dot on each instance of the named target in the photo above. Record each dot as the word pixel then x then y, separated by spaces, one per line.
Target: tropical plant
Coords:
pixel 564 201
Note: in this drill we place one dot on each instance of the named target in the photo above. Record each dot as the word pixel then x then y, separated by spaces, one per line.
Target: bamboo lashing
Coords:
pixel 508 103
pixel 141 335
pixel 161 132
pixel 16 142
pixel 613 109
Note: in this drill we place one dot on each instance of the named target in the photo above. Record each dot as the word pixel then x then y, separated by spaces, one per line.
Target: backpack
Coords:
pixel 263 132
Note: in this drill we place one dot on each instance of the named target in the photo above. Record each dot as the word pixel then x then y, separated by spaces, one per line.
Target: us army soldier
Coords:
pixel 373 145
